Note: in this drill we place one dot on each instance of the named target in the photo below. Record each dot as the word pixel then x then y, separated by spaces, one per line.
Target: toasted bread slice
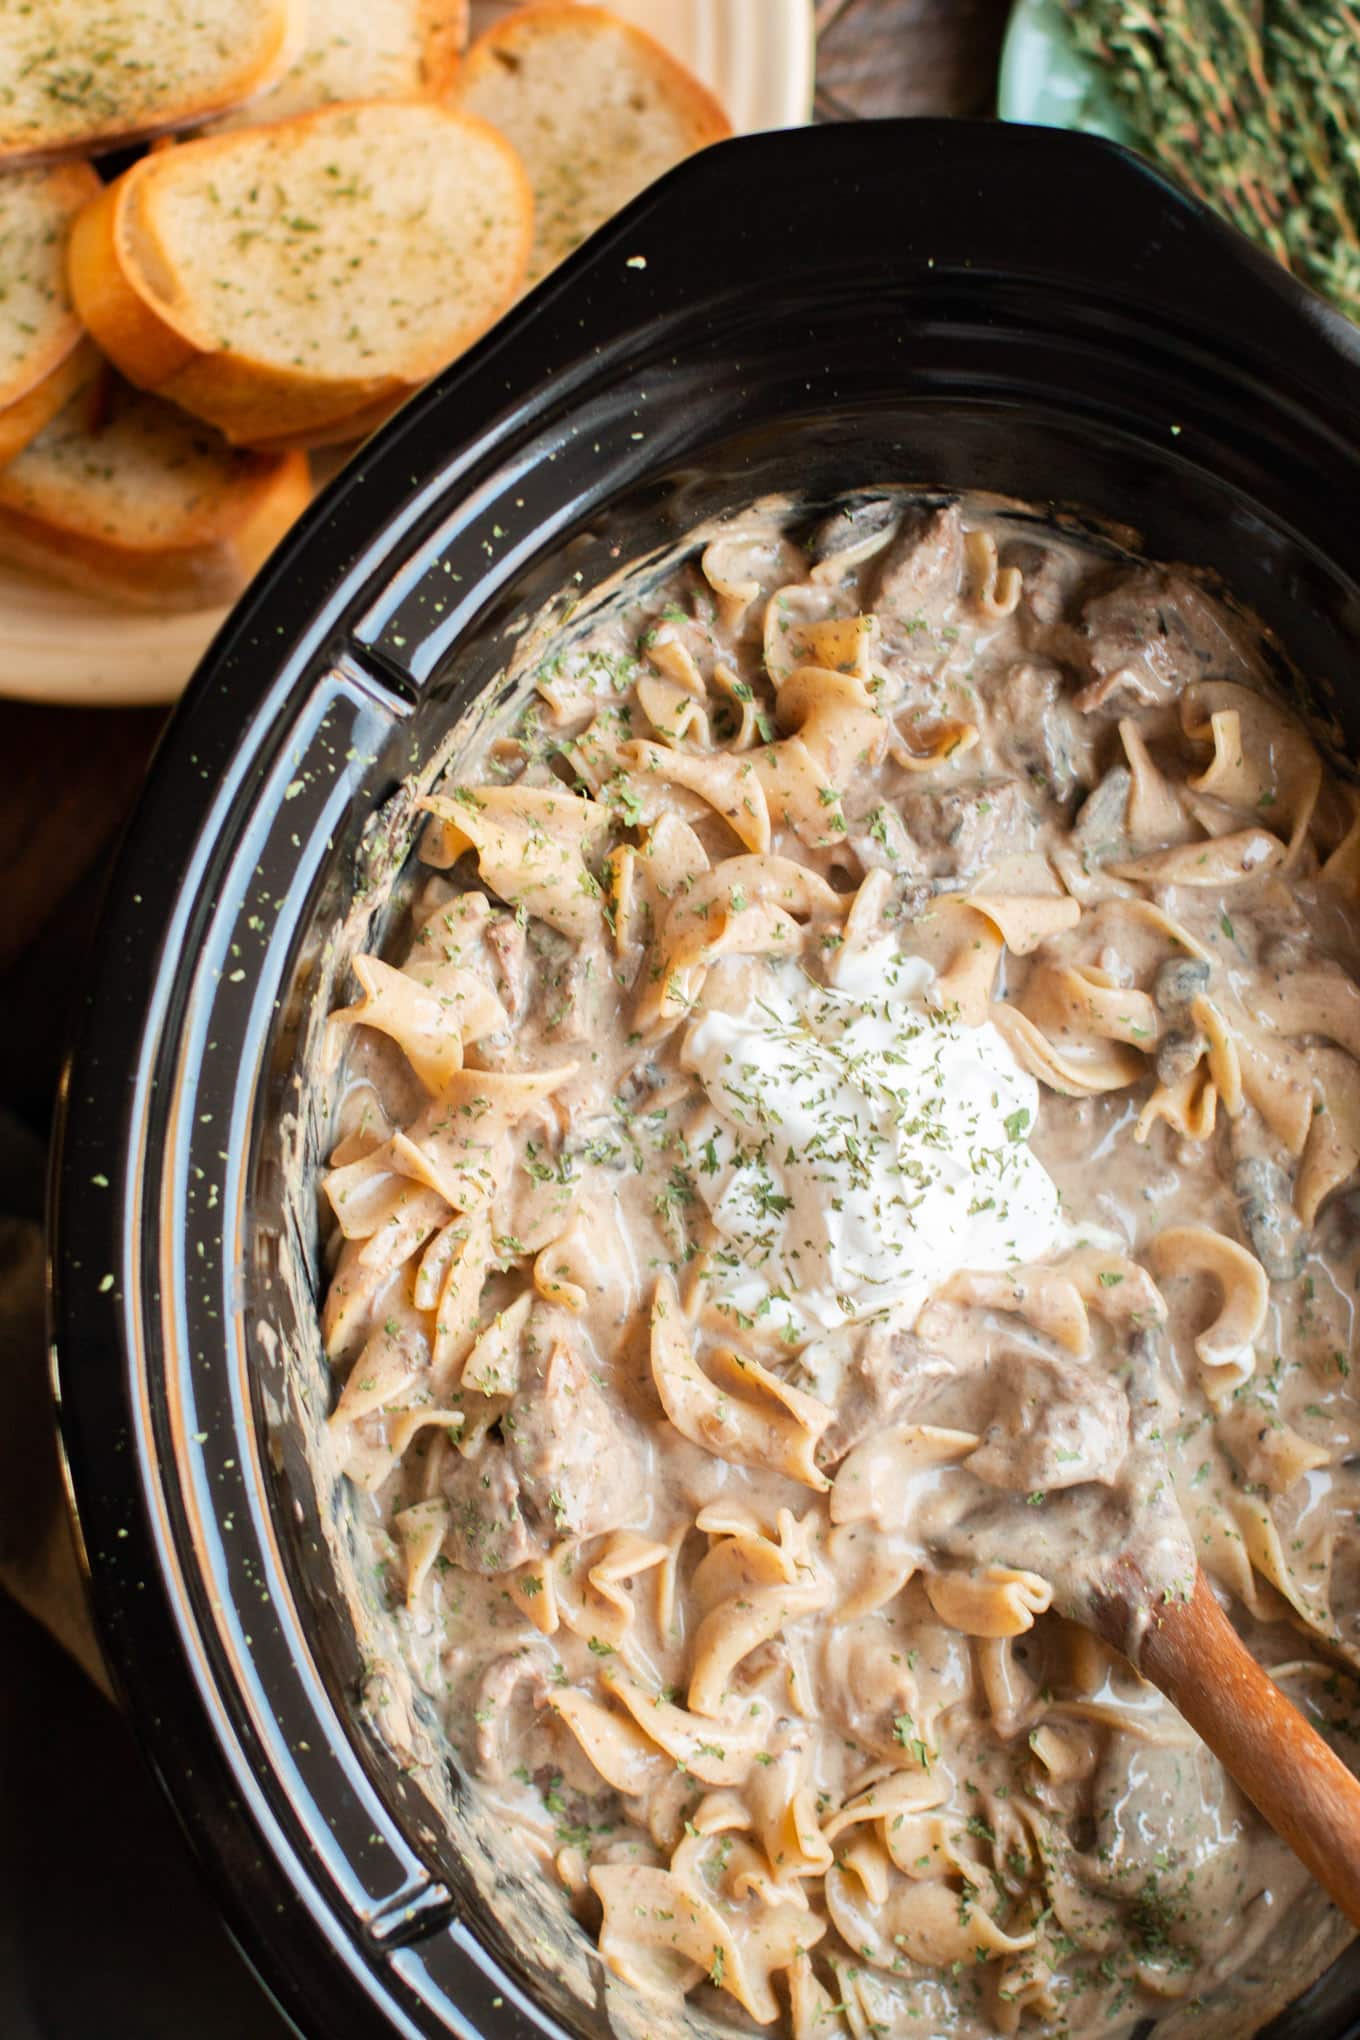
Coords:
pixel 365 49
pixel 125 495
pixel 289 281
pixel 80 77
pixel 23 420
pixel 44 355
pixel 594 106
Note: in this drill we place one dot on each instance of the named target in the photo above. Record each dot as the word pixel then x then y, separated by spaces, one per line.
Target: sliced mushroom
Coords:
pixel 852 533
pixel 1101 826
pixel 1177 1054
pixel 1272 1226
pixel 1180 979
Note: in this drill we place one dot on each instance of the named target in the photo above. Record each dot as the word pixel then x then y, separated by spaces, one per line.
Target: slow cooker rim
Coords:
pixel 96 1168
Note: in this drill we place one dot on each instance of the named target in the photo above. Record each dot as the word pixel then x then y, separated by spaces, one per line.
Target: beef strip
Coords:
pixel 1152 634
pixel 487 1531
pixel 960 829
pixel 506 941
pixel 871 1376
pixel 1041 734
pixel 916 581
pixel 509 1694
pixel 1053 1424
pixel 578 1465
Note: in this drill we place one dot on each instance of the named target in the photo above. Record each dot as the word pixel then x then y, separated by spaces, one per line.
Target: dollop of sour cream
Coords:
pixel 860 1147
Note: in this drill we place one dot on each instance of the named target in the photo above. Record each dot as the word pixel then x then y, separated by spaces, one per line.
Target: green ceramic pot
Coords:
pixel 1046 82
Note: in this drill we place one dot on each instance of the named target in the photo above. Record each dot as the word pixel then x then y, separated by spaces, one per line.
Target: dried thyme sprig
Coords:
pixel 1254 105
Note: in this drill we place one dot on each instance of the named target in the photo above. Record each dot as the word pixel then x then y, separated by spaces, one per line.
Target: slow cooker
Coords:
pixel 946 304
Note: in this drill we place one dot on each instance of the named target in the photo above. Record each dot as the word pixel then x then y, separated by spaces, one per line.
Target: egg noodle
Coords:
pixel 876 1069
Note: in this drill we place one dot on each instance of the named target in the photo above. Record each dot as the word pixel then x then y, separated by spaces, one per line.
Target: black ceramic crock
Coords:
pixel 938 303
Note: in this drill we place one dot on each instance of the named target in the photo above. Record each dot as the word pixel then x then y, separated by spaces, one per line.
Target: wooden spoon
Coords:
pixel 1106 1565
pixel 1191 1651
pixel 1184 1644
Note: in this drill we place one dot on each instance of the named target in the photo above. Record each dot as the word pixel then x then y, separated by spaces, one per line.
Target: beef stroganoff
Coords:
pixel 866 1124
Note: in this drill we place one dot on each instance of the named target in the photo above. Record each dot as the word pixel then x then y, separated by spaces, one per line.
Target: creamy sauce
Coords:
pixel 862 1140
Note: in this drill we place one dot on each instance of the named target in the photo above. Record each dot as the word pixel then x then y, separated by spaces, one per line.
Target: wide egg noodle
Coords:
pixel 697 1596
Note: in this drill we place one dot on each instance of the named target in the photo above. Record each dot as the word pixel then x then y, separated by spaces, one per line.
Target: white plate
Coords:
pixel 756 55
pixel 57 645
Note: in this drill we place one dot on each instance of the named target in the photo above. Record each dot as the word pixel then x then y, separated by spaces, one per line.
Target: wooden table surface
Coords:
pixel 89 1856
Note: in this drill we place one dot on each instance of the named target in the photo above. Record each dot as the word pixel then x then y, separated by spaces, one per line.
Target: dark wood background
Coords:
pixel 104 1934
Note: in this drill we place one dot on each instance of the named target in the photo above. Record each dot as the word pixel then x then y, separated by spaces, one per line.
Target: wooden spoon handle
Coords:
pixel 1193 1653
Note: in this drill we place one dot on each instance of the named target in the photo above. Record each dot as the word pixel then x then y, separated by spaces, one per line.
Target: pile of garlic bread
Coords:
pixel 233 230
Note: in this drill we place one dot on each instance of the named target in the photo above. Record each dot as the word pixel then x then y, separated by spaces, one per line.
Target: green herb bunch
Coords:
pixel 1254 105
